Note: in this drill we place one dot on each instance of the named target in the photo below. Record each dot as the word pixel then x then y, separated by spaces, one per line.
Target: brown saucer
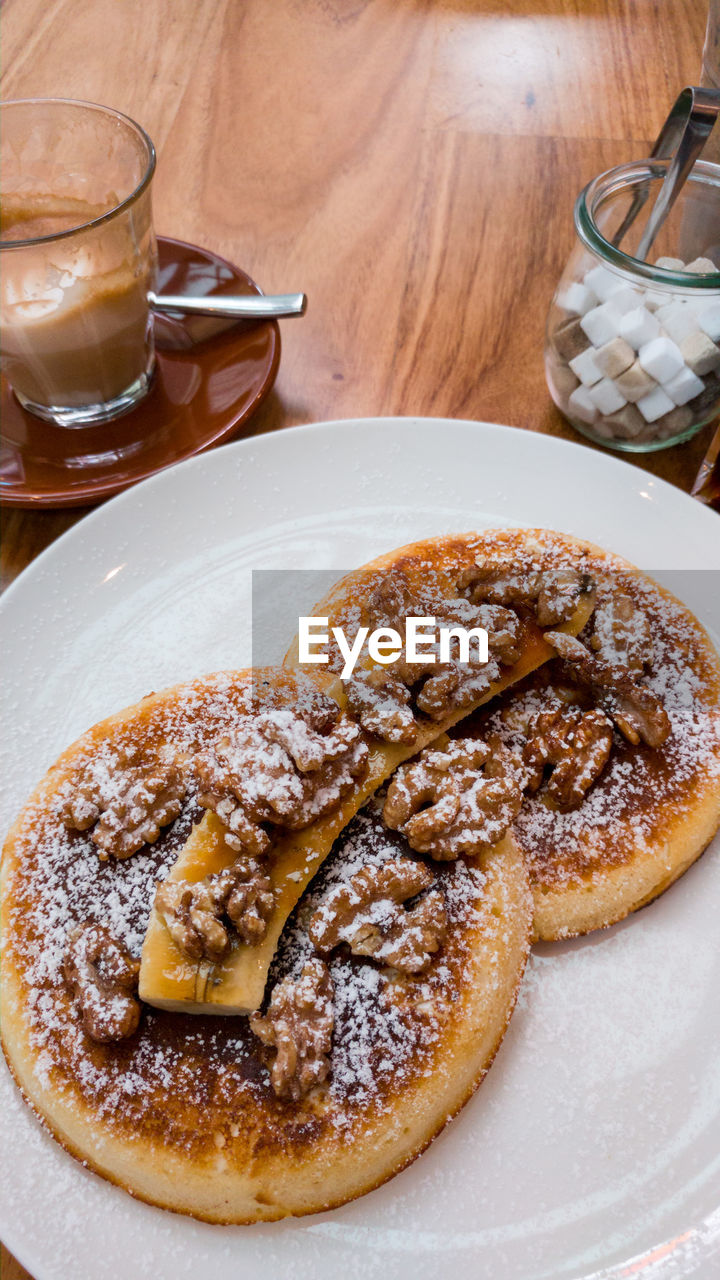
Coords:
pixel 209 379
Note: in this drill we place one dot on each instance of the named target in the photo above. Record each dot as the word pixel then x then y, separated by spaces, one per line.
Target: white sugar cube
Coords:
pixel 701 267
pixel 607 396
pixel 661 358
pixel 677 319
pixel 581 406
pixel 655 404
pixel 700 353
pixel 623 297
pixel 638 327
pixel 601 281
pixel 601 324
pixel 684 386
pixel 708 319
pixel 670 264
pixel 585 368
pixel 576 299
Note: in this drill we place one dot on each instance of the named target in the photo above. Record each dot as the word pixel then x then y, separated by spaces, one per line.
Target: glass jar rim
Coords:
pixel 122 204
pixel 625 176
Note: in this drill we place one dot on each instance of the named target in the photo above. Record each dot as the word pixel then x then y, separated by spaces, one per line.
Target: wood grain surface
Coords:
pixel 410 164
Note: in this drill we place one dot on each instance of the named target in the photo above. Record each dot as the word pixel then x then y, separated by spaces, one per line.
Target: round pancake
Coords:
pixel 652 811
pixel 182 1113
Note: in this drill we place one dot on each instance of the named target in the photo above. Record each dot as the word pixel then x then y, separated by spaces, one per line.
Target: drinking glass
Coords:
pixel 77 259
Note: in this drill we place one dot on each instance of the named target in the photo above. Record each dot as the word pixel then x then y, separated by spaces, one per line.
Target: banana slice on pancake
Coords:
pixel 549 588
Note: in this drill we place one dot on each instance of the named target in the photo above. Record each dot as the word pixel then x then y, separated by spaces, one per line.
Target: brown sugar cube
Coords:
pixel 627 423
pixel 672 423
pixel 569 340
pixel 635 382
pixel 708 400
pixel 700 353
pixel 565 380
pixel 615 357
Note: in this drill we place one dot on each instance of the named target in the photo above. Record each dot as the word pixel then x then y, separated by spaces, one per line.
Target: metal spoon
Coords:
pixel 247 307
pixel 680 141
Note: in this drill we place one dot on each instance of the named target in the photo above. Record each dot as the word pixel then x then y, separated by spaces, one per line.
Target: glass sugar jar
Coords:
pixel 632 355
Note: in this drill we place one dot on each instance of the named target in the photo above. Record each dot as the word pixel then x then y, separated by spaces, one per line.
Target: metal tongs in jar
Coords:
pixel 680 141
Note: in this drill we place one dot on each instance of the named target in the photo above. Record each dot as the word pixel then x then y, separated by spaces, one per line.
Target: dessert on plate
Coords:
pixel 263 932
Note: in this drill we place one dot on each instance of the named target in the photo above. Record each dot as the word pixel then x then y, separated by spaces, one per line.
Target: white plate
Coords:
pixel 596 1138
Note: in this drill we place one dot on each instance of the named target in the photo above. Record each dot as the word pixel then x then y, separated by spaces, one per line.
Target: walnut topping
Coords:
pixel 441 687
pixel 250 900
pixel 127 805
pixel 381 703
pixel 370 916
pixel 279 770
pixel 299 1025
pixel 220 788
pixel 576 744
pixel 621 633
pixel 455 685
pixel 461 799
pixel 394 601
pixel 635 709
pixel 102 977
pixel 309 748
pixel 554 594
pixel 193 910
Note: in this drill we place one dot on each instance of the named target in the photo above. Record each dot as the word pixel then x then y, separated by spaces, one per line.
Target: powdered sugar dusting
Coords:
pixel 620 813
pixel 386 1026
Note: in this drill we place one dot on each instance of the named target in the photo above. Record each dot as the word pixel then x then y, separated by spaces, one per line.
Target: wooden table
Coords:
pixel 411 164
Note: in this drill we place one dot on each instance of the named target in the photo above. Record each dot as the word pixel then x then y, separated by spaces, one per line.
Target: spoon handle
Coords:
pixel 251 306
pixel 689 125
pixel 683 134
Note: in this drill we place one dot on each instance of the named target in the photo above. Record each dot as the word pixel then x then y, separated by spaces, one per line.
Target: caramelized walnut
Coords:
pixel 308 747
pixel 102 977
pixel 257 776
pixel 635 709
pixel 299 1025
pixel 621 634
pixel 455 686
pixel 370 916
pixel 553 594
pixel 577 744
pixel 380 702
pixel 220 789
pixel 250 899
pixel 127 804
pixel 193 910
pixel 456 800
pixel 441 687
pixel 394 601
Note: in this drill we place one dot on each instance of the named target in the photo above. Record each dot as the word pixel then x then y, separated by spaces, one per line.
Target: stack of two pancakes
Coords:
pixel 182 1113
